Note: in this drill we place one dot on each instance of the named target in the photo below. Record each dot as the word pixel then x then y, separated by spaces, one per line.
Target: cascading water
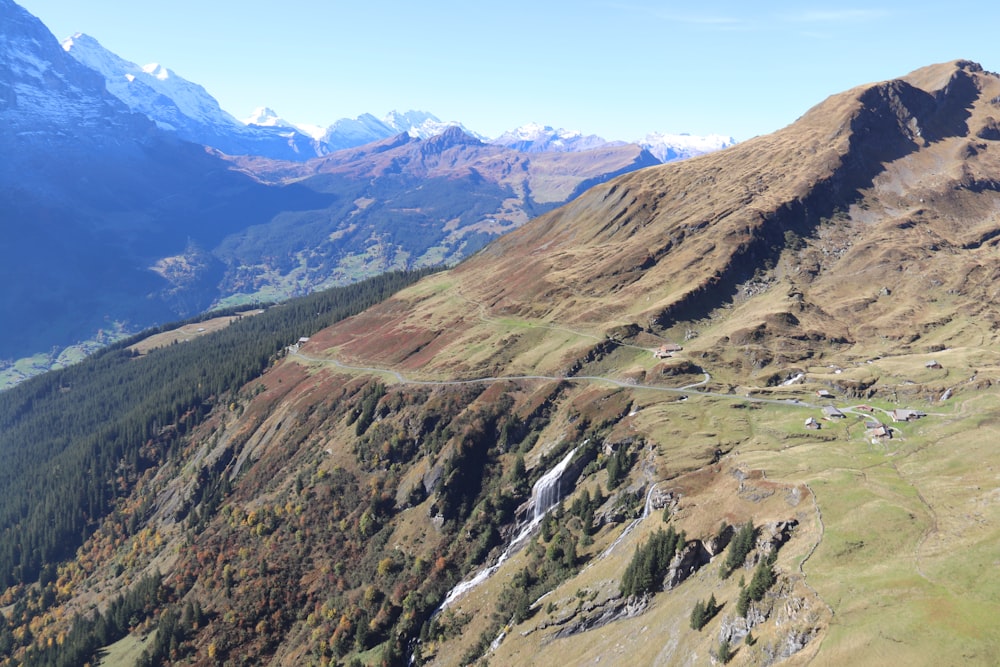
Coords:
pixel 647 508
pixel 545 494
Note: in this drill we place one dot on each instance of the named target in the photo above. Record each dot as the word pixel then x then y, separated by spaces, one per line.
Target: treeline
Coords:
pixel 73 441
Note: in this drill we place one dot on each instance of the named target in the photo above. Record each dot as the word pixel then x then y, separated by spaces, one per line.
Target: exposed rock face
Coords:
pixel 592 616
pixel 772 536
pixel 685 563
pixel 736 628
pixel 717 544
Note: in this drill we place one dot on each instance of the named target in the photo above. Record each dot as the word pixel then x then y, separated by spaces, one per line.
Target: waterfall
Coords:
pixel 545 495
pixel 647 508
pixel 546 492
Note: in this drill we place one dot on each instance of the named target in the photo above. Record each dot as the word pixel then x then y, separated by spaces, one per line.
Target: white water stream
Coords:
pixel 545 495
pixel 647 508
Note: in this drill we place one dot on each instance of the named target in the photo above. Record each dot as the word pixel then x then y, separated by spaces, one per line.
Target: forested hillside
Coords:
pixel 73 441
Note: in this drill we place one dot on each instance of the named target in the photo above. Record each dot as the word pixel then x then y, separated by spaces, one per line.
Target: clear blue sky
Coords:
pixel 617 69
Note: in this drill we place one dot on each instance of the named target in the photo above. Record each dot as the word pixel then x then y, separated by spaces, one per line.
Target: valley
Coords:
pixel 137 200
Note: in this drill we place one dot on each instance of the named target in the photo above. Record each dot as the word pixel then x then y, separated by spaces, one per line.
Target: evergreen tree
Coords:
pixel 725 653
pixel 741 545
pixel 650 562
pixel 698 616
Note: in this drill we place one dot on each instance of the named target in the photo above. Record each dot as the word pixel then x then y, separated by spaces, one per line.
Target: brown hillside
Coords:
pixel 544 177
pixel 885 189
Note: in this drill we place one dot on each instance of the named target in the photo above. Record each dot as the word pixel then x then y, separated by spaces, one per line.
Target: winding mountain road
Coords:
pixel 688 390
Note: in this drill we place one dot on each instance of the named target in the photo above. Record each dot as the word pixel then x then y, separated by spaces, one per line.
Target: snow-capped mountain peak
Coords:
pixel 186 108
pixel 39 86
pixel 535 137
pixel 170 100
pixel 421 124
pixel 366 128
pixel 158 71
pixel 537 131
pixel 266 117
pixel 667 147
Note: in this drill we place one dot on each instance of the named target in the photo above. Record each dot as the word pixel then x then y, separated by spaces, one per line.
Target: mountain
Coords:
pixel 185 108
pixel 670 147
pixel 405 202
pixel 533 138
pixel 122 223
pixel 664 147
pixel 188 110
pixel 366 129
pixel 266 117
pixel 94 196
pixel 593 442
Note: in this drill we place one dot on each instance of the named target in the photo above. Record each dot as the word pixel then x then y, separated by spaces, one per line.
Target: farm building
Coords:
pixel 832 413
pixel 667 350
pixel 880 431
pixel 906 415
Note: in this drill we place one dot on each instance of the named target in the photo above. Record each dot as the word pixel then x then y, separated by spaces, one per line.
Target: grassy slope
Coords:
pixel 907 524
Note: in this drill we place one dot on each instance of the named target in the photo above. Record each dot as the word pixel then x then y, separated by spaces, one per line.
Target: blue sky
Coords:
pixel 617 69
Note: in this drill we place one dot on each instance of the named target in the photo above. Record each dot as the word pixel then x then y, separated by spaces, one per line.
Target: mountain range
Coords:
pixel 733 409
pixel 137 199
pixel 187 109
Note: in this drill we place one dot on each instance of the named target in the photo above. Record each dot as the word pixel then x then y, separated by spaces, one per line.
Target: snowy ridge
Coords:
pixel 266 117
pixel 41 89
pixel 187 109
pixel 169 100
pixel 667 147
pixel 535 137
pixel 366 128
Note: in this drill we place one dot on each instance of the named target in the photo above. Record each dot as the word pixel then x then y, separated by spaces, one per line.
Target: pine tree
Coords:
pixel 739 547
pixel 698 616
pixel 725 652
